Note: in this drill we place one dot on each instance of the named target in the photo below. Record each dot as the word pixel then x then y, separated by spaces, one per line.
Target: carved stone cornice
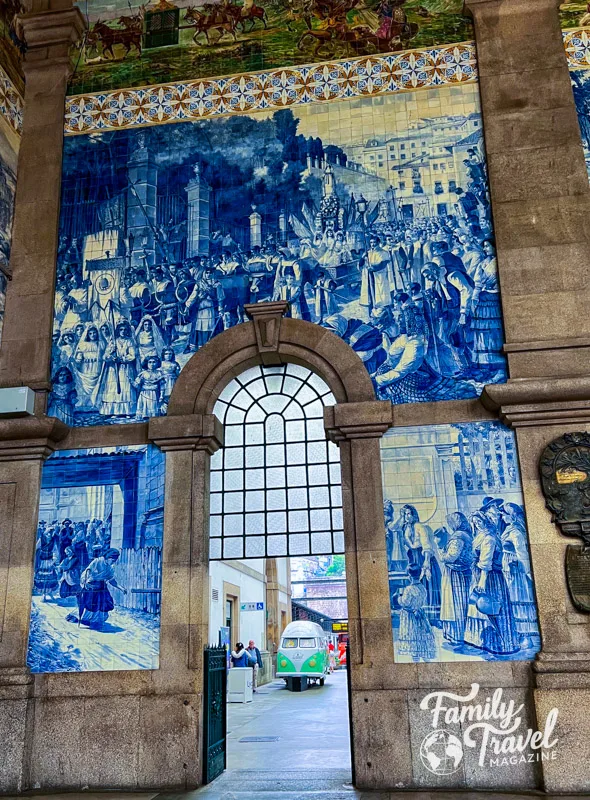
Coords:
pixel 368 420
pixel 191 432
pixel 49 36
pixel 539 401
pixel 267 325
pixel 25 438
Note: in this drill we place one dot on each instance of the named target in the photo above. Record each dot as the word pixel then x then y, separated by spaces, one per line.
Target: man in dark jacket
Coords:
pixel 255 660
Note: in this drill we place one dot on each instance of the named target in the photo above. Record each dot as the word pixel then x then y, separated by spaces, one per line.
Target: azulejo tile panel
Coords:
pixel 98 561
pixel 280 88
pixel 370 215
pixel 461 586
pixel 11 102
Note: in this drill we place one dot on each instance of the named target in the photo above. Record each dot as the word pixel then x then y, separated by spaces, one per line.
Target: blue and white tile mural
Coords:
pixel 581 88
pixel 370 216
pixel 460 579
pixel 97 584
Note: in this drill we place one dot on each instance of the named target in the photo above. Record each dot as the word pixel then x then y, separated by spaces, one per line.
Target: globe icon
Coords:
pixel 441 752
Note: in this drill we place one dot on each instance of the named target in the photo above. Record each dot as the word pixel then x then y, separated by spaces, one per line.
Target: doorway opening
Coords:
pixel 276 543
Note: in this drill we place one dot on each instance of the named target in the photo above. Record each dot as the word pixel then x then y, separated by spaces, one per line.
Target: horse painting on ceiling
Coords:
pixel 134 44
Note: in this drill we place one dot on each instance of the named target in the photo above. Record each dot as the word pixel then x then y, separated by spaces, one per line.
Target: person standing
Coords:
pixel 256 660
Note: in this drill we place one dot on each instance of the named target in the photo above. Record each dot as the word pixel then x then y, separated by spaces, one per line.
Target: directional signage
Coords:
pixel 251 606
pixel 340 627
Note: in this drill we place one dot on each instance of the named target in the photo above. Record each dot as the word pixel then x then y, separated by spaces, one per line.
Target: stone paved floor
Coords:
pixel 310 760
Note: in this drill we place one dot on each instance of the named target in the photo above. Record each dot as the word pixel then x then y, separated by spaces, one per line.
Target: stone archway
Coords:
pixel 190 434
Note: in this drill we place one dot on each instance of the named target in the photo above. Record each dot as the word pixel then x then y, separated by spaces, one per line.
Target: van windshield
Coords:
pixel 306 642
pixel 289 643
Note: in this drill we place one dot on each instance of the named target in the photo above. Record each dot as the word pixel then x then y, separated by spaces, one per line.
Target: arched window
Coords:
pixel 276 484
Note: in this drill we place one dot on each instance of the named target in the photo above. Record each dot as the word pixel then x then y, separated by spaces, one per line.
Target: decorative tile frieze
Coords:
pixel 577 48
pixel 11 103
pixel 279 88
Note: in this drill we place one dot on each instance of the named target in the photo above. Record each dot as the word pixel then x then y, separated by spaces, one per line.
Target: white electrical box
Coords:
pixel 17 401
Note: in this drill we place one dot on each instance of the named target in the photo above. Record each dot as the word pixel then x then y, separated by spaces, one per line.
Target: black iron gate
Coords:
pixel 215 717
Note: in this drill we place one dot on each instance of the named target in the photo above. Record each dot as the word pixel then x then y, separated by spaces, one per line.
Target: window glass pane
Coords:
pixel 291 386
pixel 254 501
pixel 255 546
pixel 297 476
pixel 275 478
pixel 337 521
pixel 316 452
pixel 274 403
pixel 275 429
pixel 214 526
pixel 276 500
pixel 257 388
pixel 255 524
pixel 254 433
pixel 306 642
pixel 255 479
pixel 233 525
pixel 320 520
pixel 233 480
pixel 276 545
pixel 217 460
pixel 321 543
pixel 256 414
pixel 298 521
pixel 336 495
pixel 275 455
pixel 243 400
pixel 297 498
pixel 233 548
pixel 334 473
pixel 295 454
pixel 318 474
pixel 289 644
pixel 298 371
pixel 338 537
pixel 234 416
pixel 314 410
pixel 315 429
pixel 234 434
pixel 274 383
pixel 306 395
pixel 319 497
pixel 276 522
pixel 299 544
pixel 295 431
pixel 234 458
pixel 214 549
pixel 334 453
pixel 293 411
pixel 215 504
pixel 255 456
pixel 233 502
pixel 215 481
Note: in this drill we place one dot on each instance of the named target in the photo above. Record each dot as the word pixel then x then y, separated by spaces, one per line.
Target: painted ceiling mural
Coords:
pixel 133 44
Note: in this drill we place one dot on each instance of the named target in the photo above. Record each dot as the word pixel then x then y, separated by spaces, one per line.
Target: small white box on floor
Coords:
pixel 239 685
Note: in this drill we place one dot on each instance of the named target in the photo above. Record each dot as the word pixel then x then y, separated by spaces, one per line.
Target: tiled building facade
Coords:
pixel 380 212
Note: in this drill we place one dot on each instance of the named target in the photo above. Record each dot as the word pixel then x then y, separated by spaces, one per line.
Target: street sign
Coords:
pixel 251 606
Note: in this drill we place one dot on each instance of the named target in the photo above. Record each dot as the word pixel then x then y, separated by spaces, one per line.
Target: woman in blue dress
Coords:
pixel 46 582
pixel 415 636
pixel 421 552
pixel 95 602
pixel 457 560
pixel 490 621
pixel 517 572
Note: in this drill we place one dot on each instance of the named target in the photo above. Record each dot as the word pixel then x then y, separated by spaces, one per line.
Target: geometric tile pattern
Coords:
pixel 11 103
pixel 274 89
pixel 577 48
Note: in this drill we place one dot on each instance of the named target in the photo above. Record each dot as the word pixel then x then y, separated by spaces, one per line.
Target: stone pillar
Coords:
pixel 24 445
pixel 357 429
pixel 255 228
pixel 538 183
pixel 28 319
pixel 198 191
pixel 273 609
pixel 541 201
pixel 142 207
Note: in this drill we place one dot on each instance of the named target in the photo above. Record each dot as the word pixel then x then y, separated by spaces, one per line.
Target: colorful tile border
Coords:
pixel 11 103
pixel 577 47
pixel 279 88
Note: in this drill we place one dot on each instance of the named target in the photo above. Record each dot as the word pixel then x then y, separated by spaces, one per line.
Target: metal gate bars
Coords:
pixel 215 716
